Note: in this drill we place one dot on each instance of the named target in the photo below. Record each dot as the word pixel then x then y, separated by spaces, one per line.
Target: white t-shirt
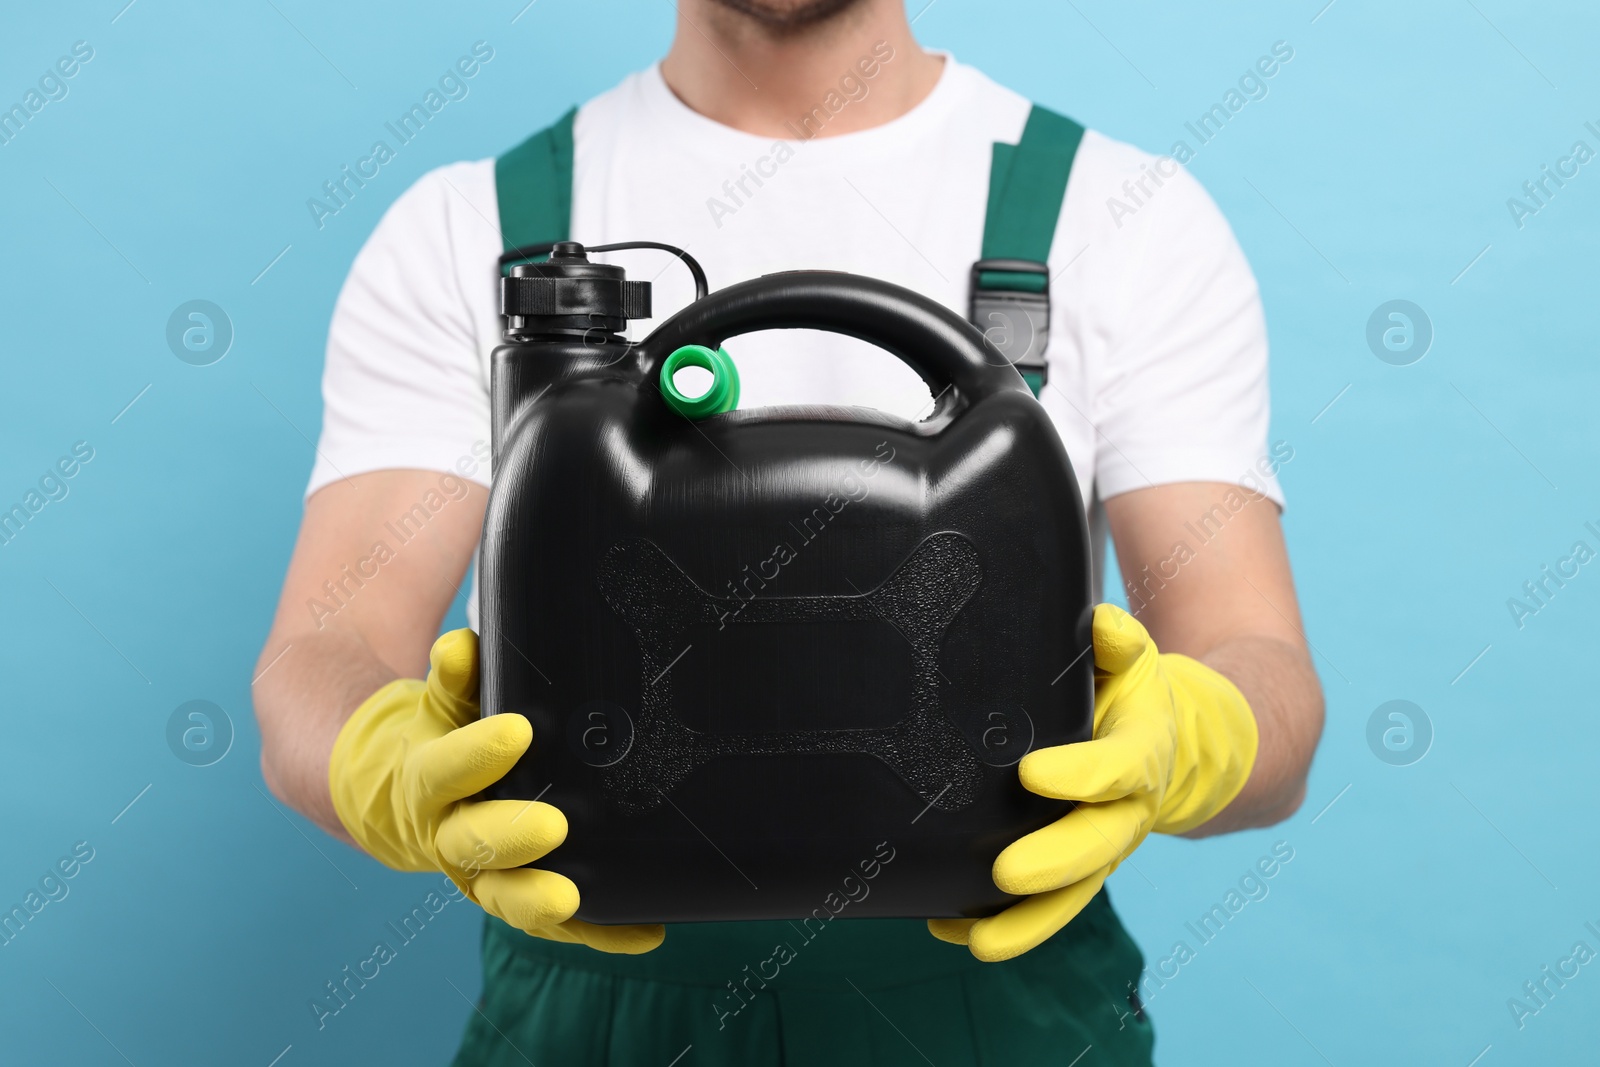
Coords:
pixel 1157 350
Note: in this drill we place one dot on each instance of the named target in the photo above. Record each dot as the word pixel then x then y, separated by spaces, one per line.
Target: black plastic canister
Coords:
pixel 765 650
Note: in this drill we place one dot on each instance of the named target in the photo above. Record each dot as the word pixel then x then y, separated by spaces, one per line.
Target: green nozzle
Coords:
pixel 724 392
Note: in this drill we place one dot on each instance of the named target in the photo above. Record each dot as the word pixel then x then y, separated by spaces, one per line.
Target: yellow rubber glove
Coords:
pixel 1173 744
pixel 403 772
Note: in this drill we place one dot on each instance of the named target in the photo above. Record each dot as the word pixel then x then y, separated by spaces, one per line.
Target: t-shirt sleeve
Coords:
pixel 1182 395
pixel 403 385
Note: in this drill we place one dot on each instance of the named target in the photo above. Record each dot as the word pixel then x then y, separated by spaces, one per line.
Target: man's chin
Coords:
pixel 789 16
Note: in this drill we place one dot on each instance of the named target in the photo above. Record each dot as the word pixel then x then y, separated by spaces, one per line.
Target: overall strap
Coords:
pixel 1010 284
pixel 533 185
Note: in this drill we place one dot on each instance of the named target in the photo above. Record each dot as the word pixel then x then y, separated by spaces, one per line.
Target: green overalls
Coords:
pixel 856 991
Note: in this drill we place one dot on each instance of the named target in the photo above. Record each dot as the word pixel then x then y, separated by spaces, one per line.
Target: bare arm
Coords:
pixel 1212 581
pixel 318 665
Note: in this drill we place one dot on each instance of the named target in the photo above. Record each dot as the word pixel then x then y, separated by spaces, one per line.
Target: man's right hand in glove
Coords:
pixel 403 774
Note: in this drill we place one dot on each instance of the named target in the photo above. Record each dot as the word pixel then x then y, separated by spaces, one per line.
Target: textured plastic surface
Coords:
pixel 759 647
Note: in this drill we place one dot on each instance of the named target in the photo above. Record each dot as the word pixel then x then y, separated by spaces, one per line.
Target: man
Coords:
pixel 781 134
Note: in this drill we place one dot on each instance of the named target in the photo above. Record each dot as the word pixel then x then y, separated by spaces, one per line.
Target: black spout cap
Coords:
pixel 567 295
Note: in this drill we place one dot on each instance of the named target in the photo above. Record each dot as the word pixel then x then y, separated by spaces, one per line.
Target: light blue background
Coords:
pixel 1378 168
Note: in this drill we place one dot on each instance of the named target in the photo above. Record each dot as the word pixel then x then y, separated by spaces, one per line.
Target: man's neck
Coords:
pixel 860 69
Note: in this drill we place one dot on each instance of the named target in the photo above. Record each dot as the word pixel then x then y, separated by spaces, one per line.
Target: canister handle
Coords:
pixel 941 346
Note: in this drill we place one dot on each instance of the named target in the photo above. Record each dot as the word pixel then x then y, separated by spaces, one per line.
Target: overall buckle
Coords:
pixel 1010 306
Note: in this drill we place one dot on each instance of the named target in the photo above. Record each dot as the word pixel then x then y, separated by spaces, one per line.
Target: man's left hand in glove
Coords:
pixel 1174 742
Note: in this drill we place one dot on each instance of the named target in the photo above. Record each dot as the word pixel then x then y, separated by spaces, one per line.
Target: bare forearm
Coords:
pixel 1226 597
pixel 308 685
pixel 1277 679
pixel 358 610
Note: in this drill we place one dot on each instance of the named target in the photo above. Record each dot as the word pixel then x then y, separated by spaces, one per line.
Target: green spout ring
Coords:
pixel 724 392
